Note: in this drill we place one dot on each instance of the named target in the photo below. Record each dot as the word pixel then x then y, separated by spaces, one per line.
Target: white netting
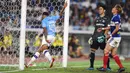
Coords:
pixel 10 11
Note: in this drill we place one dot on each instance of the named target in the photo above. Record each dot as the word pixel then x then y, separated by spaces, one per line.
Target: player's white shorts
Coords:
pixel 50 38
pixel 114 41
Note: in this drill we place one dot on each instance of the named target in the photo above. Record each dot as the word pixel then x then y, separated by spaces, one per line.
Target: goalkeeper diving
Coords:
pixel 49 30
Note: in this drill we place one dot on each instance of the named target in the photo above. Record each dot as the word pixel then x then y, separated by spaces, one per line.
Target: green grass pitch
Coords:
pixel 73 67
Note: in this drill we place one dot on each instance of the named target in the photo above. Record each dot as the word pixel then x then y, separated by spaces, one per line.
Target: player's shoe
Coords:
pixel 102 69
pixel 121 70
pixel 108 69
pixel 26 66
pixel 51 63
pixel 90 68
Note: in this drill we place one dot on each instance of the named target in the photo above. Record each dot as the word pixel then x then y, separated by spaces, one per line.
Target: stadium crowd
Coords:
pixel 82 13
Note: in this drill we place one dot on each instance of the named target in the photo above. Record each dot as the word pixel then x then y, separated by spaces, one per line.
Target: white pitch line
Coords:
pixel 10 71
pixel 57 68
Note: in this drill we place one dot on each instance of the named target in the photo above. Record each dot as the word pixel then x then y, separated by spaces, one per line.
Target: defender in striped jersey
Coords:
pixel 114 39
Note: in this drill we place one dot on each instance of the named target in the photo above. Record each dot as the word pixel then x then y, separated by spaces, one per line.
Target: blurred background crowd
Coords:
pixel 82 12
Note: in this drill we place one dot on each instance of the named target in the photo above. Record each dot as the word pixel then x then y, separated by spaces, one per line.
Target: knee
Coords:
pixel 113 54
pixel 106 52
pixel 93 50
pixel 92 53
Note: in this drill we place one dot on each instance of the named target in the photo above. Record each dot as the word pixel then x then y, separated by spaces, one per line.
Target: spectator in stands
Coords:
pixel 126 26
pixel 75 49
pixel 58 41
pixel 27 47
pixel 7 42
pixel 1 40
pixel 37 42
pixel 128 7
pixel 57 45
pixel 76 25
pixel 8 39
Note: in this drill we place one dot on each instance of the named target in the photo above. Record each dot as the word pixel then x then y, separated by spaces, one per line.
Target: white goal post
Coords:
pixel 22 34
pixel 23 30
pixel 66 32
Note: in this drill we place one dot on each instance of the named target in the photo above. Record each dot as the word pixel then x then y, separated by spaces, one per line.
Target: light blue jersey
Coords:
pixel 49 22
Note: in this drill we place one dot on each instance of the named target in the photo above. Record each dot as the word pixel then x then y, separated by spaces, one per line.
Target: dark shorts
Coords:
pixel 96 45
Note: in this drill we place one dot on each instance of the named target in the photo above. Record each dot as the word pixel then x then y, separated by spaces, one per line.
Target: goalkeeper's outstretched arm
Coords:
pixel 61 12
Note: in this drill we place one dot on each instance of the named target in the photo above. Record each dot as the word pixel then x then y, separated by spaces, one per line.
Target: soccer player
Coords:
pixel 98 39
pixel 48 24
pixel 114 40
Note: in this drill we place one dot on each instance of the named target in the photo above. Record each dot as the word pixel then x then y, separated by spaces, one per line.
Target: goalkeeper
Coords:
pixel 49 29
pixel 98 39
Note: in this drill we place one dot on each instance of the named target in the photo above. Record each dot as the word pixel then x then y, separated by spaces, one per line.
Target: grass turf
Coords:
pixel 73 67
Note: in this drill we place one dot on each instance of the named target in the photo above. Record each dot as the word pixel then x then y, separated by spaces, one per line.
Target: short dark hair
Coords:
pixel 102 5
pixel 119 8
pixel 45 13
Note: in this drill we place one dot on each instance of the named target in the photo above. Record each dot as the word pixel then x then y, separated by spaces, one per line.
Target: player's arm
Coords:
pixel 62 10
pixel 116 25
pixel 116 29
pixel 45 32
pixel 106 28
pixel 106 32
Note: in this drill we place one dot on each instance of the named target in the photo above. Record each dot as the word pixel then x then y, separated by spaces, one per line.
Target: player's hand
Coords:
pixel 90 41
pixel 65 5
pixel 108 36
pixel 99 29
pixel 40 35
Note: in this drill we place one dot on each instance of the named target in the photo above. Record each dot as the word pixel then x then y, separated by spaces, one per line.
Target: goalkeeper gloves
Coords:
pixel 90 41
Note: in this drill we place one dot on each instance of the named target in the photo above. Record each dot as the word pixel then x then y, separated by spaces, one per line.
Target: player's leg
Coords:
pixel 102 47
pixel 92 58
pixel 116 57
pixel 36 55
pixel 105 58
pixel 93 47
pixel 46 52
pixel 43 49
pixel 48 56
pixel 117 60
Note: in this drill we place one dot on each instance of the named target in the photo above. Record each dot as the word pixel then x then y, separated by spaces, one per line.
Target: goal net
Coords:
pixel 10 29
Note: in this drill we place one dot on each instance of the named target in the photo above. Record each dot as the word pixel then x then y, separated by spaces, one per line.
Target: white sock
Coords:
pixel 33 58
pixel 47 55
